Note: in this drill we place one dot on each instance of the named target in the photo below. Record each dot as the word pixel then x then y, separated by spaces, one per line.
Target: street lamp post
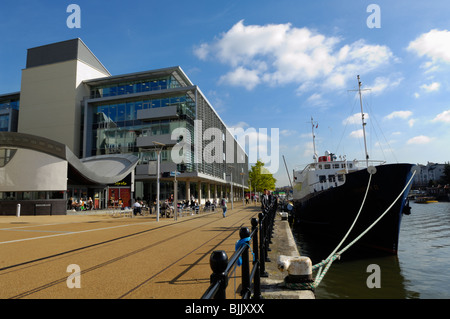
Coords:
pixel 175 196
pixel 231 184
pixel 243 193
pixel 158 173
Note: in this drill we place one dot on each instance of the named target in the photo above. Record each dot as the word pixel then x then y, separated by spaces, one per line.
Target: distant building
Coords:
pixel 426 173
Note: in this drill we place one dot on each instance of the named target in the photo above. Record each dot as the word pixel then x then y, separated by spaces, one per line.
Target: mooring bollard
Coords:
pixel 284 215
pixel 18 210
pixel 299 271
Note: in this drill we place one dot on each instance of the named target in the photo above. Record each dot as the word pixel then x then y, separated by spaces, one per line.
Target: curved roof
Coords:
pixel 103 169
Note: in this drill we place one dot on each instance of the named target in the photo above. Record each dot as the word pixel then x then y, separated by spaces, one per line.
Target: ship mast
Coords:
pixel 314 140
pixel 363 123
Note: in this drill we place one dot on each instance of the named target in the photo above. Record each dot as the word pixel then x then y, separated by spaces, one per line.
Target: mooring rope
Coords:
pixel 333 256
pixel 379 218
pixel 356 218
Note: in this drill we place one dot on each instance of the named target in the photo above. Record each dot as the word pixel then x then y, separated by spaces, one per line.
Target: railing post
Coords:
pixel 262 250
pixel 266 226
pixel 245 290
pixel 219 262
pixel 256 263
pixel 271 221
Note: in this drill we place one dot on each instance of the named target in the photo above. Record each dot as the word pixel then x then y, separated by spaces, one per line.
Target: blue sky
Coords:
pixel 274 65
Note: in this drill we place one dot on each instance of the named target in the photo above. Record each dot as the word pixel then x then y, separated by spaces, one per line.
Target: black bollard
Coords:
pixel 256 263
pixel 219 262
pixel 262 249
pixel 244 232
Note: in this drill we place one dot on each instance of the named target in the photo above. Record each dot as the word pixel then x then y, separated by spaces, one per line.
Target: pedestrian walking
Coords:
pixel 223 202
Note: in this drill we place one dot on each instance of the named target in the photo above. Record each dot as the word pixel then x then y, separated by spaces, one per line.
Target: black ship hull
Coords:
pixel 327 216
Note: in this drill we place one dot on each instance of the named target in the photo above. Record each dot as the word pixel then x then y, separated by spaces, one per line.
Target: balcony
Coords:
pixel 159 113
pixel 147 141
pixel 150 168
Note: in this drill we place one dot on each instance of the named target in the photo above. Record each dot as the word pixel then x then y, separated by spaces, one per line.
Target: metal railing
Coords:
pixel 260 237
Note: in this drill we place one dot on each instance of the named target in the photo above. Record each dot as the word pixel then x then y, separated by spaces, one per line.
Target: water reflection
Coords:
pixel 419 271
pixel 347 277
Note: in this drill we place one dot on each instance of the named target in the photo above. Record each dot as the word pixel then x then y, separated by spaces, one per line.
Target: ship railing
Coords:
pixel 361 164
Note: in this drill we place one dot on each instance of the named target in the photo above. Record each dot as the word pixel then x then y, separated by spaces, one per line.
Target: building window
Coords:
pixel 132 87
pixel 4 123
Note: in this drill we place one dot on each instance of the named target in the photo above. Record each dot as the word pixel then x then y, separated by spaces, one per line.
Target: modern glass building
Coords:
pixel 136 113
pixel 68 96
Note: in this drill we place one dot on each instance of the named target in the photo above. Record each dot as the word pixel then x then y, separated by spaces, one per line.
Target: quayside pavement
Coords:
pixel 111 257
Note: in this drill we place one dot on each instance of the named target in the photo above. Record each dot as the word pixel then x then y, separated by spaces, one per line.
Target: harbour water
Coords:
pixel 421 269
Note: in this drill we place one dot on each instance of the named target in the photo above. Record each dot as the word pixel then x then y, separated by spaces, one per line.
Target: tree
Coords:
pixel 260 178
pixel 446 178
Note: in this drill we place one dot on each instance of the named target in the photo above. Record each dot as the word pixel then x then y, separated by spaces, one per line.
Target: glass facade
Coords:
pixel 115 126
pixel 9 104
pixel 4 122
pixel 9 107
pixel 131 87
pixel 124 112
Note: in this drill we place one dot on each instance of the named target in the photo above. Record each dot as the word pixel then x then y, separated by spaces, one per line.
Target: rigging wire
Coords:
pixel 382 133
pixel 346 124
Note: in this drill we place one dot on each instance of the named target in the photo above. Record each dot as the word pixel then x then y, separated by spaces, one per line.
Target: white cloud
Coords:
pixel 316 99
pixel 399 114
pixel 308 149
pixel 242 125
pixel 382 83
pixel 421 139
pixel 443 117
pixel 305 135
pixel 404 115
pixel 242 77
pixel 287 132
pixel 431 87
pixel 435 45
pixel 256 141
pixel 355 119
pixel 357 133
pixel 290 55
pixel 202 51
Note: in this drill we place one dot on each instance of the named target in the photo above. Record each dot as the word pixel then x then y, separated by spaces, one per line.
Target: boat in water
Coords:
pixel 332 196
pixel 425 200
